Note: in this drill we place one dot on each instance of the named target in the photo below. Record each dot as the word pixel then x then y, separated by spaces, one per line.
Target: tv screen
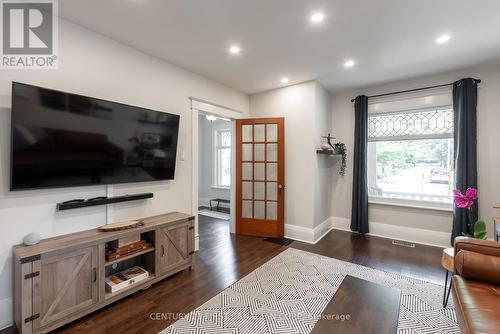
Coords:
pixel 63 140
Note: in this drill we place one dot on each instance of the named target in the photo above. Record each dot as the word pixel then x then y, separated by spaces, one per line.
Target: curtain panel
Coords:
pixel 465 150
pixel 359 214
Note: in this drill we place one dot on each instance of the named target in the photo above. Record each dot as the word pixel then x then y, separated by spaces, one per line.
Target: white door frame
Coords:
pixel 197 106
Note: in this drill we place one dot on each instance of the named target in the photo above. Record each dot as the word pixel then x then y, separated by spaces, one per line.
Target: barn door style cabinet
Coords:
pixel 64 278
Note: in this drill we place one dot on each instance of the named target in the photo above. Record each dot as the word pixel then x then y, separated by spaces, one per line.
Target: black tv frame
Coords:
pixel 11 148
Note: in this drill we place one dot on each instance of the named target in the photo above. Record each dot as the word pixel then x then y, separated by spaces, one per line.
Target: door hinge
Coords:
pixel 31 275
pixel 33 317
pixel 191 253
pixel 191 228
pixel 31 258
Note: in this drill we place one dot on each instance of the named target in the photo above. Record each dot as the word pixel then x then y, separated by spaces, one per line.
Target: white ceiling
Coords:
pixel 389 39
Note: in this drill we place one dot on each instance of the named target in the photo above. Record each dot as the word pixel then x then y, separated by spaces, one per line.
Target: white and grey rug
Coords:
pixel 288 294
pixel 215 214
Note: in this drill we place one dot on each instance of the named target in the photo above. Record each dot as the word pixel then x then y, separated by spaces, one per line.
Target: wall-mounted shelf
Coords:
pixel 106 200
pixel 332 153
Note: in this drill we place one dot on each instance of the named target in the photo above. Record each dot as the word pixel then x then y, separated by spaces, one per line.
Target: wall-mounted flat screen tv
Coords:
pixel 65 140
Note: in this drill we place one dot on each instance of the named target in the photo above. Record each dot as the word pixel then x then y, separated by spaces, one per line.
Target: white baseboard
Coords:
pixel 299 233
pixel 388 231
pixel 309 235
pixel 6 312
pixel 404 233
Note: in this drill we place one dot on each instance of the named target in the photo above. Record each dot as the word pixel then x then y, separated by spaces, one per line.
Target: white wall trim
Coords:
pixel 322 229
pixel 403 233
pixel 308 235
pixel 299 233
pixel 214 108
pixel 6 311
pixel 197 242
pixel 198 105
pixel 382 230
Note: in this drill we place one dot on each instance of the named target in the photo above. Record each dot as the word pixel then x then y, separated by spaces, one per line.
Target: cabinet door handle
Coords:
pixel 95 275
pixel 162 250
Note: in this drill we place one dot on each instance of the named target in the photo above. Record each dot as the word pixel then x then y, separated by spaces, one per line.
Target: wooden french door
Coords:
pixel 260 177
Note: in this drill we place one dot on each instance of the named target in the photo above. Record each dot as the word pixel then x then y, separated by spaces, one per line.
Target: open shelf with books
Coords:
pixel 130 256
pixel 129 261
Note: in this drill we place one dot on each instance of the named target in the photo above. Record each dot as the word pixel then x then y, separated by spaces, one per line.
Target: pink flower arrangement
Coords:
pixel 465 201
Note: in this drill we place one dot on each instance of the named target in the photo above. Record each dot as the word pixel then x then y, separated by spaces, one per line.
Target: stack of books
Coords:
pixel 123 247
pixel 123 279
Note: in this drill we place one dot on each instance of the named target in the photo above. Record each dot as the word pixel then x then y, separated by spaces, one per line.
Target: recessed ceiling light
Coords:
pixel 284 80
pixel 443 39
pixel 234 49
pixel 349 63
pixel 317 17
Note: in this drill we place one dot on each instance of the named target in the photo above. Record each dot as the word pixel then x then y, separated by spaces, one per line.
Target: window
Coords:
pixel 410 157
pixel 222 139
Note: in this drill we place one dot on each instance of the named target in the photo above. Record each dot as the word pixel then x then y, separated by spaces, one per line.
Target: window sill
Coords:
pixel 221 187
pixel 414 205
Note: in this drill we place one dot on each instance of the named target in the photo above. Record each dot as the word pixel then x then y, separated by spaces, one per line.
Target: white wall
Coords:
pixel 430 226
pixel 326 166
pixel 91 64
pixel 296 104
pixel 307 117
pixel 206 163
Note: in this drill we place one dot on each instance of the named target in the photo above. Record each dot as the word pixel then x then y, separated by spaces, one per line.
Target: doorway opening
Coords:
pixel 215 151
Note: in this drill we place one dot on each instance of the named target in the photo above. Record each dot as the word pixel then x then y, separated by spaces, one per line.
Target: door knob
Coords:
pixel 280 186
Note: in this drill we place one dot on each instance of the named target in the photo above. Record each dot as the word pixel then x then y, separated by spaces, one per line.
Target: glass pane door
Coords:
pixel 259 176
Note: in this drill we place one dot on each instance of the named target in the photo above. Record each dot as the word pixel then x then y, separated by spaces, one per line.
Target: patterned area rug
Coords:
pixel 288 293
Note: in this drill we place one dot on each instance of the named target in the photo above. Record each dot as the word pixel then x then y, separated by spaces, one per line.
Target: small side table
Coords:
pixel 447 261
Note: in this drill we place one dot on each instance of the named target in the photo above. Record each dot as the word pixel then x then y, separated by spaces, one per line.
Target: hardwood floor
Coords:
pixel 225 258
pixel 421 262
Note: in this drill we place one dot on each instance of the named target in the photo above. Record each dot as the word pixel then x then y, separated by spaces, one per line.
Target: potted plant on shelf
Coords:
pixel 466 201
pixel 340 148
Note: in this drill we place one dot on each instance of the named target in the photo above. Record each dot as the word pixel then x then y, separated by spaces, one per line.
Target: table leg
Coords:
pixel 446 294
pixel 210 203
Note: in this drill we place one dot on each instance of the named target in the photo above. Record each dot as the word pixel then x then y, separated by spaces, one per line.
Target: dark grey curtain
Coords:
pixel 359 214
pixel 465 149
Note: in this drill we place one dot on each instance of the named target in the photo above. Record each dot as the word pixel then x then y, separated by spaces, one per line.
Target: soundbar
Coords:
pixel 75 204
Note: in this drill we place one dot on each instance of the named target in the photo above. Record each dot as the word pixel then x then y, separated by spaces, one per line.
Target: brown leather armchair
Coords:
pixel 476 286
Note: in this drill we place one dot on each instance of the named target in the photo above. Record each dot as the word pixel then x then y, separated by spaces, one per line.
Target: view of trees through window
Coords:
pixel 411 169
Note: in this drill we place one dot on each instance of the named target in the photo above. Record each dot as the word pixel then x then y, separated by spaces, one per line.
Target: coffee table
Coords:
pixel 370 307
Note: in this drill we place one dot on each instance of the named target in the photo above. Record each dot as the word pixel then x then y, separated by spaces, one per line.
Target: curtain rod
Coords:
pixel 413 90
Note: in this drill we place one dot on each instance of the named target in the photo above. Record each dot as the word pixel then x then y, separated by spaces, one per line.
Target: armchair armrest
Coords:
pixel 486 247
pixel 478 260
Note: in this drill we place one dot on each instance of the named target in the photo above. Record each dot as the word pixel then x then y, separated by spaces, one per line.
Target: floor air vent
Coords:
pixel 403 243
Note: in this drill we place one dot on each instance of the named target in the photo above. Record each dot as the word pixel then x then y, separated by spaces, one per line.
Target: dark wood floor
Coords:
pixel 225 258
